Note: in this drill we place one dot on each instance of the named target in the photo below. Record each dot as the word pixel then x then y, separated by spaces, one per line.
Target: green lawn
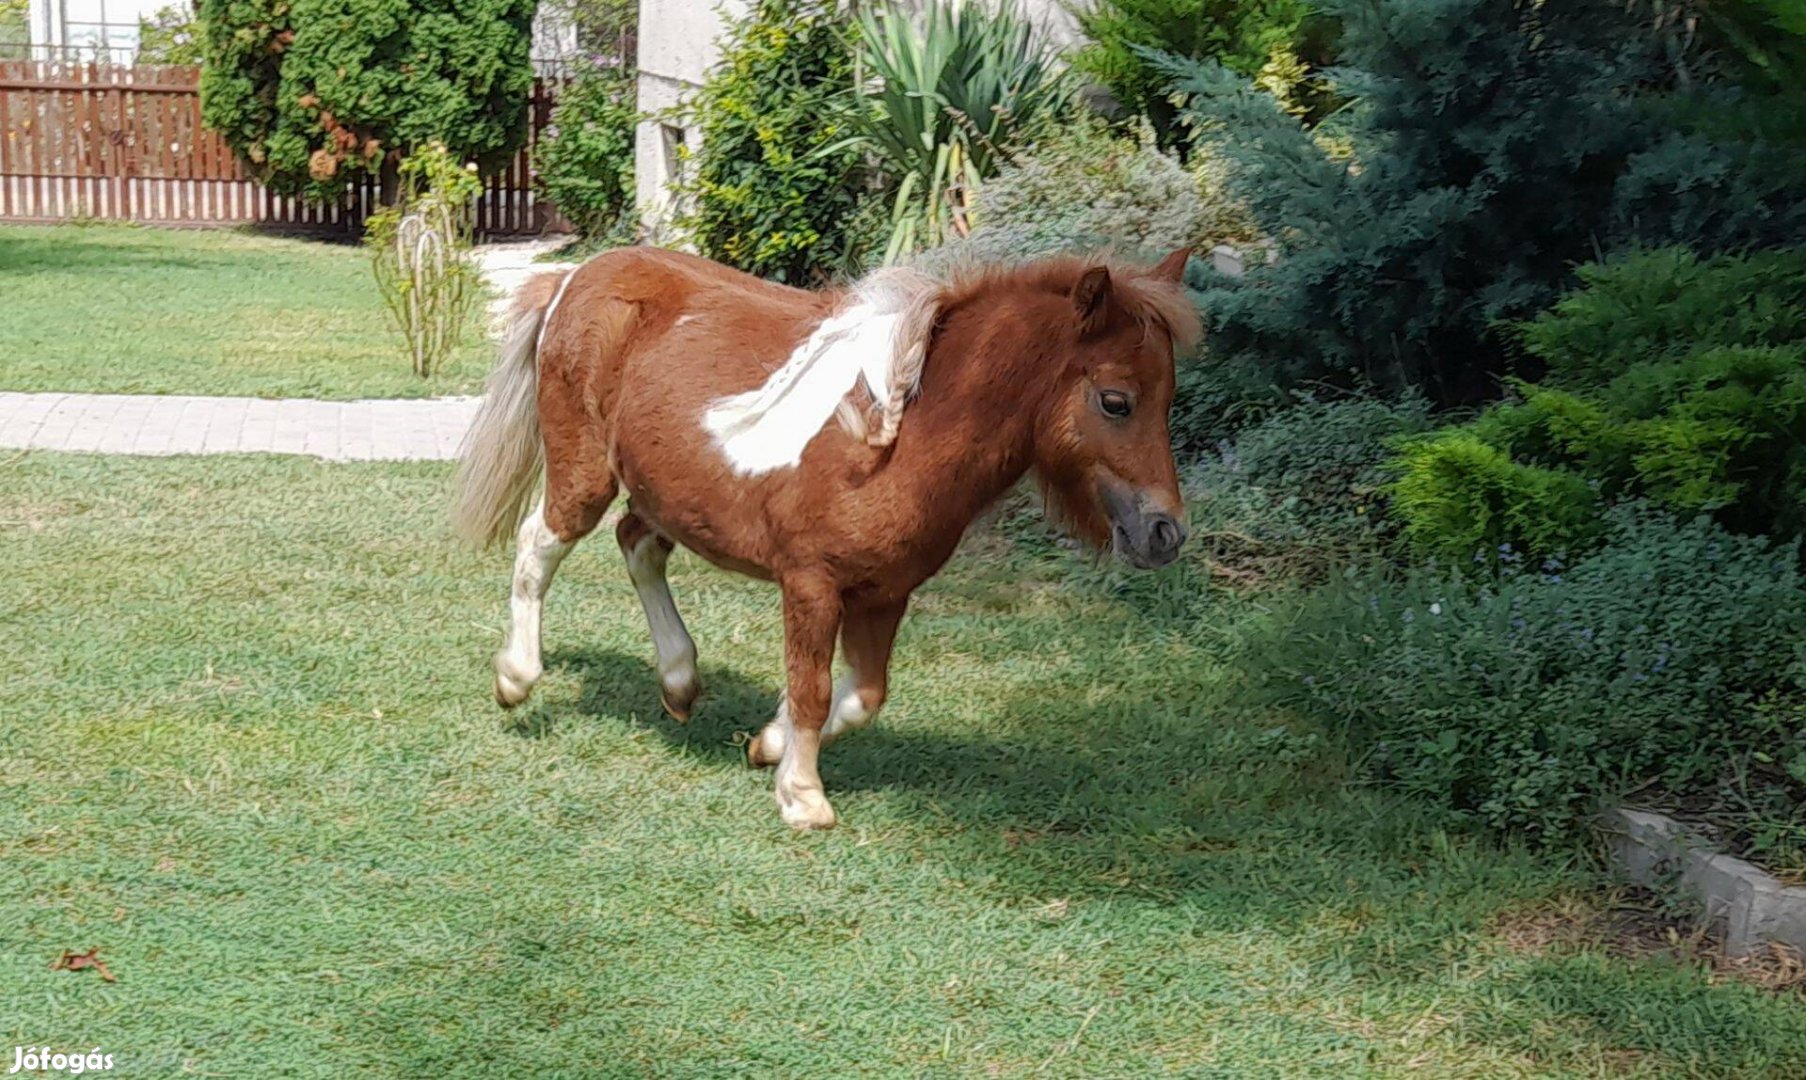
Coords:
pixel 247 751
pixel 117 309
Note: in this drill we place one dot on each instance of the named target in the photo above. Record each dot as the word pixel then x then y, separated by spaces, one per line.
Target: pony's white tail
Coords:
pixel 502 455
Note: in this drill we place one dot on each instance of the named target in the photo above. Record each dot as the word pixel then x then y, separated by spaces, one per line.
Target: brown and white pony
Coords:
pixel 837 443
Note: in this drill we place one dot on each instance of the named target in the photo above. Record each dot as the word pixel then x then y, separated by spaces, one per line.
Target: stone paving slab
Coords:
pixel 371 430
pixel 376 430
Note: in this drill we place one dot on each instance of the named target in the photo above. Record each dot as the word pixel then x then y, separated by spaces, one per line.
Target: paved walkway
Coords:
pixel 383 430
pixel 506 266
pixel 427 430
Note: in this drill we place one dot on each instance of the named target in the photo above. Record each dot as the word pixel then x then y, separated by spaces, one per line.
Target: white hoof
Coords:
pixel 512 683
pixel 677 692
pixel 804 806
pixel 805 810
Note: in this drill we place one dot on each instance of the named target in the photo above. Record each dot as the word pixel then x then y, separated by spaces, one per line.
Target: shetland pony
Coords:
pixel 837 443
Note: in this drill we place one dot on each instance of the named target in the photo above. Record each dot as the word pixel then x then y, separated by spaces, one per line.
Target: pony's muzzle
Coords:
pixel 1141 535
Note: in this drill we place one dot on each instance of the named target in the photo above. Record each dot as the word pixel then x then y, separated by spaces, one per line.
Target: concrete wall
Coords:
pixel 677 48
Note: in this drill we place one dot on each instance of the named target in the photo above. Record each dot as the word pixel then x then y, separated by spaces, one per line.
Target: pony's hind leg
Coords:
pixel 545 538
pixel 646 551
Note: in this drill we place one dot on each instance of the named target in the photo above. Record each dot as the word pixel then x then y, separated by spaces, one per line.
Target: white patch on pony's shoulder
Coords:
pixel 873 340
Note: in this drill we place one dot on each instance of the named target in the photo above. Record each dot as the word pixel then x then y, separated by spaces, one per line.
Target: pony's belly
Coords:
pixel 695 514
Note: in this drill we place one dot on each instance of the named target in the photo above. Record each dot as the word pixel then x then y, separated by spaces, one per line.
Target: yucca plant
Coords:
pixel 949 87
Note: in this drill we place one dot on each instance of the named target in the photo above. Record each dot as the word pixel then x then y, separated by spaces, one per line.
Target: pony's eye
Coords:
pixel 1115 403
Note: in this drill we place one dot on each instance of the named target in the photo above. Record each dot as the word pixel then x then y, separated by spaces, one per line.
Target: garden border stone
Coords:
pixel 1755 907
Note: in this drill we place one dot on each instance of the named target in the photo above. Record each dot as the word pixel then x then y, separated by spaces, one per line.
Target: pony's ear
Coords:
pixel 1090 296
pixel 1172 268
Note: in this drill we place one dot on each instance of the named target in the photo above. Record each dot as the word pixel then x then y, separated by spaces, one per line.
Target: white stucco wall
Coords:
pixel 677 46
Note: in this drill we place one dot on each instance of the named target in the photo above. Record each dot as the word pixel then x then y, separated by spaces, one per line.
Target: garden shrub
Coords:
pixel 1254 38
pixel 952 88
pixel 1670 378
pixel 1304 487
pixel 777 178
pixel 313 94
pixel 1458 494
pixel 1080 185
pixel 420 254
pixel 1525 696
pixel 170 35
pixel 1497 144
pixel 1664 305
pixel 584 161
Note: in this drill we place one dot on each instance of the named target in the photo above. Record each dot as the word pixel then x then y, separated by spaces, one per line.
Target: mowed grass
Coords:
pixel 118 309
pixel 248 753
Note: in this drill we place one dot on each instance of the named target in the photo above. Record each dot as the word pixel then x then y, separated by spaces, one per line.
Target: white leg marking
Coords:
pixel 775 736
pixel 676 651
pixel 801 801
pixel 538 551
pixel 849 712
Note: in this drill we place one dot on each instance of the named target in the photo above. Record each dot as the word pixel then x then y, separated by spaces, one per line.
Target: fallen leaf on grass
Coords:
pixel 74 961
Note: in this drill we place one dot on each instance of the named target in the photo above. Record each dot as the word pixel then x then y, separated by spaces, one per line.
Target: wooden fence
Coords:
pixel 126 144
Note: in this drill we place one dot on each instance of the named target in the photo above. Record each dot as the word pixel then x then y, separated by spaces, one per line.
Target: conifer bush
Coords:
pixel 1491 146
pixel 1670 378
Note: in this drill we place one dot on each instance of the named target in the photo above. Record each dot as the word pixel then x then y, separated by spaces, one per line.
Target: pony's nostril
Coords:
pixel 1167 536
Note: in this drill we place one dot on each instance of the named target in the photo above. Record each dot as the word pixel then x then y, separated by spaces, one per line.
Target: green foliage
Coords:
pixel 955 84
pixel 419 252
pixel 170 36
pixel 315 93
pixel 1458 494
pixel 15 29
pixel 777 177
pixel 1527 696
pixel 1081 186
pixel 1670 378
pixel 1665 305
pixel 1303 488
pixel 1498 143
pixel 584 161
pixel 1250 37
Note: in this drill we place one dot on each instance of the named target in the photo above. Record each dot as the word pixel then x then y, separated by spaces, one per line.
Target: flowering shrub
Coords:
pixel 1523 696
pixel 776 184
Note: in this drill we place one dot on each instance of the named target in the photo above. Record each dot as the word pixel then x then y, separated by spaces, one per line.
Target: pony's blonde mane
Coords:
pixel 922 296
pixel 915 298
pixel 840 371
pixel 1150 300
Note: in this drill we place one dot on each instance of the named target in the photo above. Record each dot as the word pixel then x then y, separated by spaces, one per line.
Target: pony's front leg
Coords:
pixel 866 636
pixel 811 620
